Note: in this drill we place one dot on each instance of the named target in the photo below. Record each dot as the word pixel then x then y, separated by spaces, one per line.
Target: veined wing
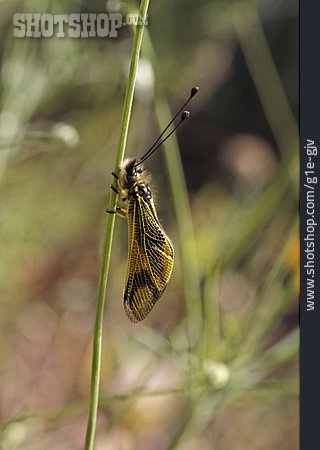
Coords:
pixel 150 259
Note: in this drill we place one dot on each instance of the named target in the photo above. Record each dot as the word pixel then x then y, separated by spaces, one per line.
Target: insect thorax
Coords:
pixel 133 180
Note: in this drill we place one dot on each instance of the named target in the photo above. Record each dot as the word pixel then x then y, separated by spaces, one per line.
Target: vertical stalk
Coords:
pixel 187 245
pixel 265 76
pixel 97 339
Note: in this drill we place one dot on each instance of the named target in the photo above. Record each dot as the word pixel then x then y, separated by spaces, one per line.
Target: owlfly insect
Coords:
pixel 151 254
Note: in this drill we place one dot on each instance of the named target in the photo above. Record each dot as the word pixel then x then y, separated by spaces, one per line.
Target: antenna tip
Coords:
pixel 194 90
pixel 185 115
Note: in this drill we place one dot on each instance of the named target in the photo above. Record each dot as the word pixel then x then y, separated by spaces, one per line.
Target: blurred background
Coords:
pixel 215 364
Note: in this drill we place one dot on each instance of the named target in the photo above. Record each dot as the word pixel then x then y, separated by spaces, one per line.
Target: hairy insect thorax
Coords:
pixel 134 181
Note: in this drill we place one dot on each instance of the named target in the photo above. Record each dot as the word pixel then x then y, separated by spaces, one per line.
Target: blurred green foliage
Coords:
pixel 236 386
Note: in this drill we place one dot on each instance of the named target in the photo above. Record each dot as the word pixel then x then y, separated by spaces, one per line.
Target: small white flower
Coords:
pixel 65 133
pixel 217 372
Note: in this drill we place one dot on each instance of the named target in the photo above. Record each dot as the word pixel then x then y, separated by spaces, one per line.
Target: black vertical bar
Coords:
pixel 310 223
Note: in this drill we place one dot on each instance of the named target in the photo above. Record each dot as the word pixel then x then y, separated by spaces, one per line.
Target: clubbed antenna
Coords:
pixel 184 116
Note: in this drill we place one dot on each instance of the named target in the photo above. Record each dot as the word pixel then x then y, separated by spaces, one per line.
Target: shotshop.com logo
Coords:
pixel 72 25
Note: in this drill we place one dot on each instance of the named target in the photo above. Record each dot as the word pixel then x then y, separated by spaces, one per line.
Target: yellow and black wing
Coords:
pixel 150 259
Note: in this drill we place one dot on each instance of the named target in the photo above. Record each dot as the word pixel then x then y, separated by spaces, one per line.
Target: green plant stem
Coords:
pixel 263 316
pixel 187 245
pixel 78 406
pixel 244 378
pixel 270 198
pixel 97 339
pixel 265 76
pixel 211 313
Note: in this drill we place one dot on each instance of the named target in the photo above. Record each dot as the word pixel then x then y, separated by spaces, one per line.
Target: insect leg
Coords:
pixel 121 212
pixel 114 189
pixel 117 189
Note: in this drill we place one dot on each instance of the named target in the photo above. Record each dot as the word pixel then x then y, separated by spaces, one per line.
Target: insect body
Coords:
pixel 150 250
pixel 151 253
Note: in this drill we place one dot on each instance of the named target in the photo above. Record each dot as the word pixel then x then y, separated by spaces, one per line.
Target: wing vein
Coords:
pixel 150 259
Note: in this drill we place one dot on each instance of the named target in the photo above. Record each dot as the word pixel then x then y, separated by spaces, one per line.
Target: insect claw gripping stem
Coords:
pixel 121 212
pixel 115 175
pixel 118 209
